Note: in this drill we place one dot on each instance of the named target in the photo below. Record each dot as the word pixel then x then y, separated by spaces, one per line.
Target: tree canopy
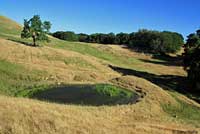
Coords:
pixel 68 35
pixel 155 41
pixel 192 59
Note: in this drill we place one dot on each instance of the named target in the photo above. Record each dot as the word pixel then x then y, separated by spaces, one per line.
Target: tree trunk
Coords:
pixel 34 41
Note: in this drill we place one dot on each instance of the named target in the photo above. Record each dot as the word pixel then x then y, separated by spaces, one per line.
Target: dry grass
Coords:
pixel 8 26
pixel 159 69
pixel 22 116
pixel 62 65
pixel 76 63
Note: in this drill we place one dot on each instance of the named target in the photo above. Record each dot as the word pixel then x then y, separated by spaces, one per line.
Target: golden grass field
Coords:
pixel 27 116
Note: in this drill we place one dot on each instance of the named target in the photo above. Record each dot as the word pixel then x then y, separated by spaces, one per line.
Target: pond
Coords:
pixel 95 95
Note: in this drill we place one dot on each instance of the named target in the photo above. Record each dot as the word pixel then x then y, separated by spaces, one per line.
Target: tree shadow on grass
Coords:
pixel 167 60
pixel 22 42
pixel 170 60
pixel 165 63
pixel 166 82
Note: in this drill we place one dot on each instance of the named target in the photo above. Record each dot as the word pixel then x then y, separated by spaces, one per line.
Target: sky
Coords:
pixel 105 16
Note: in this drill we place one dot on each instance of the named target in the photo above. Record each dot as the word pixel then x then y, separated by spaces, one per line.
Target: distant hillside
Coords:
pixel 8 26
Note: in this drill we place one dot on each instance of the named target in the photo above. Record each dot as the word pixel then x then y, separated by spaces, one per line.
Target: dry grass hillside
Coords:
pixel 9 27
pixel 29 116
pixel 161 109
pixel 62 65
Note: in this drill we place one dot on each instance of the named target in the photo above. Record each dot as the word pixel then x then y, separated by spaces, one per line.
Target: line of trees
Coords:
pixel 68 35
pixel 192 59
pixel 145 40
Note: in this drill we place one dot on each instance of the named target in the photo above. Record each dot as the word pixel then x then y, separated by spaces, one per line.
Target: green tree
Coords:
pixel 36 29
pixel 46 26
pixel 122 38
pixel 155 41
pixel 83 37
pixel 68 35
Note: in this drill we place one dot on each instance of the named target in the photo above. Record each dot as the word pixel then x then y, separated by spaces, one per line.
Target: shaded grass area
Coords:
pixel 166 60
pixel 167 82
pixel 166 63
pixel 174 85
pixel 18 39
pixel 94 95
pixel 183 111
pixel 14 78
pixel 22 41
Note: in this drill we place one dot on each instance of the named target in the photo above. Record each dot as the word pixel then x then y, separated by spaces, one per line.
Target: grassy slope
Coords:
pixel 16 115
pixel 9 27
pixel 183 111
pixel 14 78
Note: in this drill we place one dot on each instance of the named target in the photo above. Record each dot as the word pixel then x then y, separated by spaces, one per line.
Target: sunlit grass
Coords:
pixel 183 110
pixel 14 78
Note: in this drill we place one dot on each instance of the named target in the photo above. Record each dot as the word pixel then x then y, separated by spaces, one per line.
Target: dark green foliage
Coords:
pixel 122 38
pixel 111 39
pixel 26 30
pixel 155 41
pixel 145 40
pixel 93 38
pixel 68 35
pixel 36 29
pixel 83 37
pixel 192 59
pixel 98 38
pixel 46 26
pixel 173 41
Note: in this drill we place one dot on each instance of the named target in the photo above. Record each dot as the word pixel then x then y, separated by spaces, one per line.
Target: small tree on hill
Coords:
pixel 36 29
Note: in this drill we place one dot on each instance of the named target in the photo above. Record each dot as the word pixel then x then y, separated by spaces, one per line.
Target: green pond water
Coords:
pixel 95 95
